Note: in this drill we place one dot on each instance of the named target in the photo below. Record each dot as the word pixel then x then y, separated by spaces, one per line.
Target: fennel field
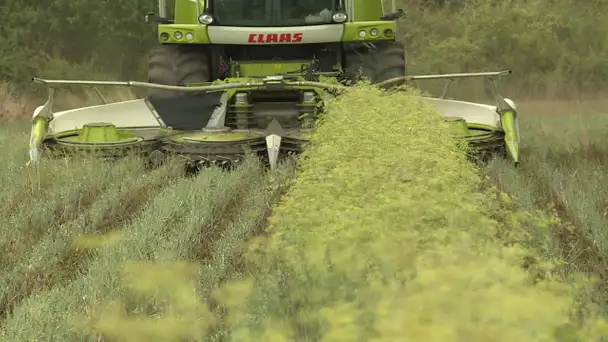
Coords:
pixel 563 171
pixel 357 245
pixel 384 233
pixel 59 218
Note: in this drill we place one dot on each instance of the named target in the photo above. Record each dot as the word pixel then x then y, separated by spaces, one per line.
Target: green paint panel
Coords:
pixel 368 10
pixel 98 134
pixel 508 119
pixel 40 127
pixel 217 137
pixel 270 68
pixel 185 12
pixel 484 128
pixel 199 34
pixel 386 31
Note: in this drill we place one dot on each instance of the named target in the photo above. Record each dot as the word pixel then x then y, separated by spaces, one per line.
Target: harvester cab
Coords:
pixel 272 42
pixel 213 40
pixel 229 76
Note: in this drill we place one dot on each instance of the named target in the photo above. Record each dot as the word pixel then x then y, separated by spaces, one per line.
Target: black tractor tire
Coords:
pixel 359 64
pixel 385 61
pixel 389 58
pixel 177 65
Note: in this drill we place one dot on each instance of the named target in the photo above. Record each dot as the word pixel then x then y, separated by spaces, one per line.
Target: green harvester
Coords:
pixel 229 77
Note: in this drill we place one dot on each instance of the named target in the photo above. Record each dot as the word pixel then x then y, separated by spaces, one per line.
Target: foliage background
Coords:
pixel 555 47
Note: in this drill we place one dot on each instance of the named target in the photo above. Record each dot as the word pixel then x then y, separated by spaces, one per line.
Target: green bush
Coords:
pixel 92 37
pixel 552 46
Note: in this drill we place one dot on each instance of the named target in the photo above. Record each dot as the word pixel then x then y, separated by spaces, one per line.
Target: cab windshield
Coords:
pixel 261 13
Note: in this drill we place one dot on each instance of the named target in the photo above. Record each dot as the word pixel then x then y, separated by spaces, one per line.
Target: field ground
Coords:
pixel 54 218
pixel 163 215
pixel 563 170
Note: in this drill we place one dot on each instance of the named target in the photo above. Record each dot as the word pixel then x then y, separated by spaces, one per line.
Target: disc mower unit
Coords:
pixel 226 79
pixel 217 125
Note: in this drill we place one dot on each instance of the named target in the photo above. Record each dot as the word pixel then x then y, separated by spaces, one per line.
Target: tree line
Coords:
pixel 552 45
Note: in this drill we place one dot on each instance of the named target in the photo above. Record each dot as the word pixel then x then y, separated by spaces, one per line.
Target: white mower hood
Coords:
pixel 132 114
pixel 472 113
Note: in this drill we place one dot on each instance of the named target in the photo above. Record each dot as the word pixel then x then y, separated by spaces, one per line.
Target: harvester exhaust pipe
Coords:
pixel 162 8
